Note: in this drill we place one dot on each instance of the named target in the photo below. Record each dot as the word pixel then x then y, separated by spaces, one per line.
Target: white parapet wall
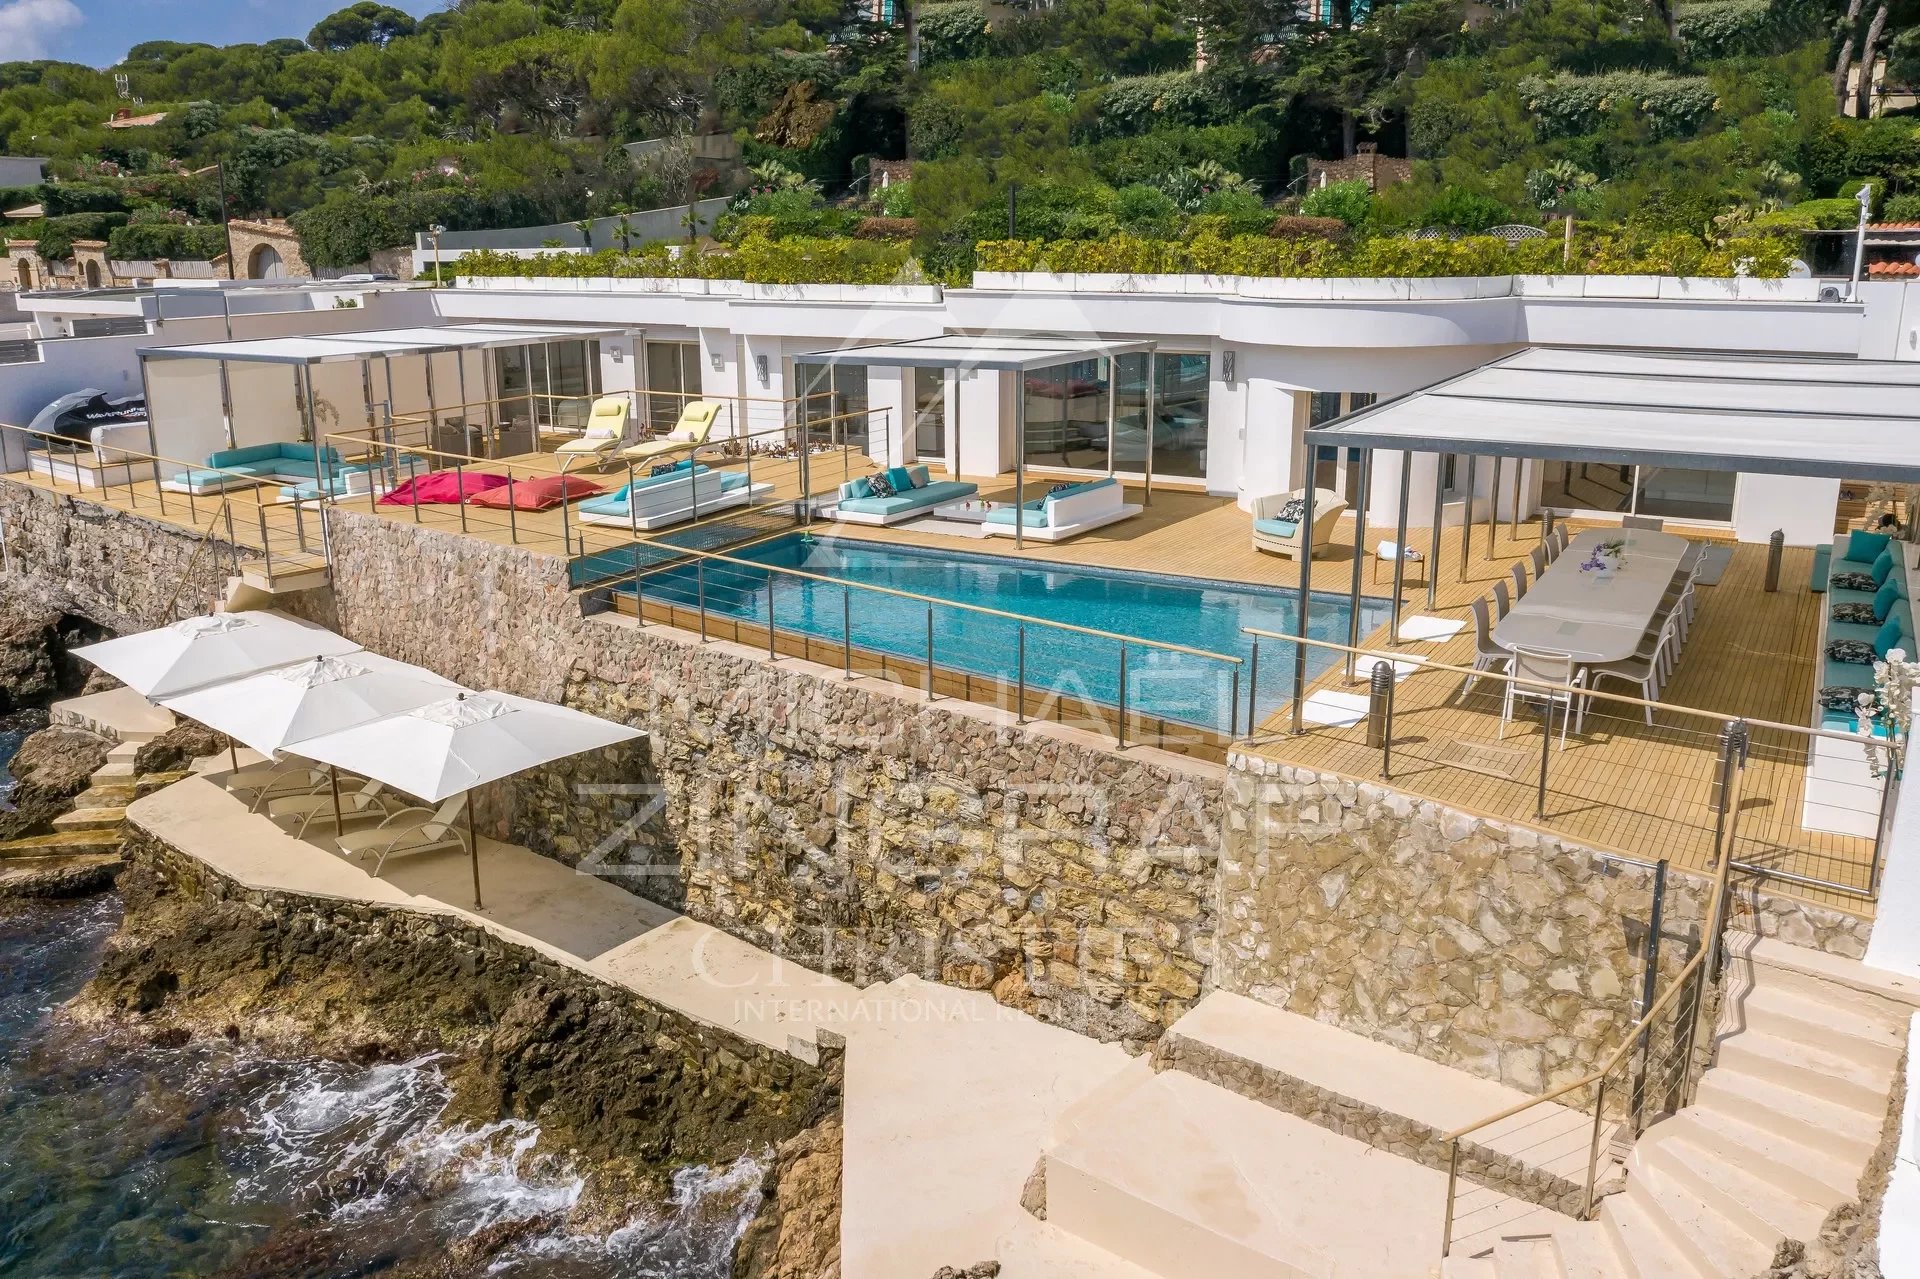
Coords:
pixel 1900 1211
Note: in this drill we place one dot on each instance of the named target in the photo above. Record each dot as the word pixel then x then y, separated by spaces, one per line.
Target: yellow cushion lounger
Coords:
pixel 605 425
pixel 696 420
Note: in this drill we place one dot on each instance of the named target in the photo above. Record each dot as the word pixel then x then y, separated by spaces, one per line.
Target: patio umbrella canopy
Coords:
pixel 438 750
pixel 311 698
pixel 199 651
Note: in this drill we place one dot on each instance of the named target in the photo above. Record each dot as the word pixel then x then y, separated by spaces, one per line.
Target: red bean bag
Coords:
pixel 538 494
pixel 442 488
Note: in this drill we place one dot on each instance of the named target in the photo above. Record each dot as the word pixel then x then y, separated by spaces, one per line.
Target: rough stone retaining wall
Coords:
pixel 1478 944
pixel 848 824
pixel 119 569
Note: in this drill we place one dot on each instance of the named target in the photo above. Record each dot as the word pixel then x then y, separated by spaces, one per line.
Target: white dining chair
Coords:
pixel 1538 558
pixel 1487 655
pixel 1519 580
pixel 1647 672
pixel 1558 540
pixel 1546 667
pixel 1502 602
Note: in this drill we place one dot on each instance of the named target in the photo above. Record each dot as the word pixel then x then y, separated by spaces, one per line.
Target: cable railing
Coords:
pixel 289 538
pixel 1135 691
pixel 1607 769
pixel 730 476
pixel 1655 1057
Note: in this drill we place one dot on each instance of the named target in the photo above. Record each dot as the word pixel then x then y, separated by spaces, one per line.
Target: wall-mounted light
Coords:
pixel 718 362
pixel 1227 366
pixel 760 368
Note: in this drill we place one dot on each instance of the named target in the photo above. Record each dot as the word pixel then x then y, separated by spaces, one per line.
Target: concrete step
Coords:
pixel 47 877
pixel 1526 1258
pixel 115 770
pixel 107 794
pixel 125 750
pixel 1814 1175
pixel 1647 1241
pixel 1183 1178
pixel 1852 978
pixel 1792 1010
pixel 1749 1184
pixel 147 783
pixel 1843 1132
pixel 66 843
pixel 1836 1074
pixel 1585 1251
pixel 1704 1234
pixel 103 819
pixel 1371 1091
pixel 1726 1218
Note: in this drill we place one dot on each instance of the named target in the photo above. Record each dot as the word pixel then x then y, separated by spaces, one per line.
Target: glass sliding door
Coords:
pixel 1673 493
pixel 929 414
pixel 1066 416
pixel 1180 415
pixel 833 403
pixel 673 378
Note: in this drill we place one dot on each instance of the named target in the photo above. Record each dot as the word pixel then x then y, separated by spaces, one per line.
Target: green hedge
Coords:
pixel 155 240
pixel 1570 105
pixel 56 235
pixel 756 260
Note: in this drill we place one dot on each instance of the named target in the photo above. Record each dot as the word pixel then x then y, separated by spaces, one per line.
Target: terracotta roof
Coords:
pixel 1892 226
pixel 1894 270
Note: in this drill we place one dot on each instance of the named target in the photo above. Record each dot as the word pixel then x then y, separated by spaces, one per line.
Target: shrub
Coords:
pixel 1137 104
pixel 1146 211
pixel 58 234
pixel 62 198
pixel 1903 208
pixel 146 242
pixel 1829 215
pixel 1293 226
pixel 885 229
pixel 1235 212
pixel 952 32
pixel 1351 202
pixel 1569 105
pixel 757 260
pixel 1467 210
pixel 1850 192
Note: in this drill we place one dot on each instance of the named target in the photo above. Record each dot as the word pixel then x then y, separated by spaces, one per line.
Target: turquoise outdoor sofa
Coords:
pixel 286 462
pixel 676 493
pixel 1876 556
pixel 856 504
pixel 1065 512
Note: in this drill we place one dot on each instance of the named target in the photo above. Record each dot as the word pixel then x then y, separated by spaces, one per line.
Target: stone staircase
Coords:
pixel 1256 1144
pixel 1783 1126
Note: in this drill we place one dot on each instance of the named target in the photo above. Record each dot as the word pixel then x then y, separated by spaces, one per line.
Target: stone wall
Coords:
pixel 849 824
pixel 1478 944
pixel 119 569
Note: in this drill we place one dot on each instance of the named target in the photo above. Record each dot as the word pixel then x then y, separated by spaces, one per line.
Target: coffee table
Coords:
pixel 972 511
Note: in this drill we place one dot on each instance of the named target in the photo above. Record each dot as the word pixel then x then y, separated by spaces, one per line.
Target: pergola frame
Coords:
pixel 1749 412
pixel 302 352
pixel 1021 355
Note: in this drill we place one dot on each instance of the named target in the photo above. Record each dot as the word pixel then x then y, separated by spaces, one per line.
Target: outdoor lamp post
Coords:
pixel 435 231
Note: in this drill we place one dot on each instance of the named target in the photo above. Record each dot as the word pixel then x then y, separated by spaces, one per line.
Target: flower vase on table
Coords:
pixel 1604 560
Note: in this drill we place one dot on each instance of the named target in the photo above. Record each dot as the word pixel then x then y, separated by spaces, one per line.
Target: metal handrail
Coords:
pixel 1732 771
pixel 205 539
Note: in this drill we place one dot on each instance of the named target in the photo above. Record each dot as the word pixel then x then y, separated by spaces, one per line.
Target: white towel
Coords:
pixel 1336 710
pixel 1423 628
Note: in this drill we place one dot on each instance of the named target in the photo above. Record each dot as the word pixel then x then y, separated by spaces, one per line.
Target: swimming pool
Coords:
pixel 1194 613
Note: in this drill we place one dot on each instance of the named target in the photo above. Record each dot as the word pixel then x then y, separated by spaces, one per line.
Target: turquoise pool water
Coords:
pixel 1195 613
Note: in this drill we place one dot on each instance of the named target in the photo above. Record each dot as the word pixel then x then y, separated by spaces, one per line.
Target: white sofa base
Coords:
pixel 1063 532
pixel 659 516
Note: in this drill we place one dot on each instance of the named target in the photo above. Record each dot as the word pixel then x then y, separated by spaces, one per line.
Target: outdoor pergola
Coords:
pixel 1755 413
pixel 304 353
pixel 995 353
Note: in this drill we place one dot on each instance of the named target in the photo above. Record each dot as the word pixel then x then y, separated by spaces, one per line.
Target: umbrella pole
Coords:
pixel 333 780
pixel 473 851
pixel 233 755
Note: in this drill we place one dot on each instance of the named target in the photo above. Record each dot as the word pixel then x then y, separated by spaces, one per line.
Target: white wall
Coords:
pixel 184 398
pixel 267 407
pixel 1800 507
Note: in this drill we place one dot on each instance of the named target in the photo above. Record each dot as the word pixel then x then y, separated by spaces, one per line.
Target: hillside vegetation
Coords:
pixel 1694 133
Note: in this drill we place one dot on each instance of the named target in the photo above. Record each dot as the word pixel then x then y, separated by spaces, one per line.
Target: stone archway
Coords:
pixel 26 274
pixel 266 264
pixel 92 273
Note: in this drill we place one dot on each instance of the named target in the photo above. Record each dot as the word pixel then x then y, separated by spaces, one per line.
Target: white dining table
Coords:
pixel 1595 616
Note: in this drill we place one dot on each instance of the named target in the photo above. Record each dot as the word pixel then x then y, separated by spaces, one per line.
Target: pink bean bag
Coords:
pixel 443 488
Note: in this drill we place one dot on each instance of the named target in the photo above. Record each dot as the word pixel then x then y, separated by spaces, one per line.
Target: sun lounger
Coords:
pixel 266 781
pixel 606 426
pixel 369 801
pixel 410 830
pixel 690 432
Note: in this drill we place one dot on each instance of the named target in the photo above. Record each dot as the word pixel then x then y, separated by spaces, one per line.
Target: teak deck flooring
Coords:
pixel 1619 784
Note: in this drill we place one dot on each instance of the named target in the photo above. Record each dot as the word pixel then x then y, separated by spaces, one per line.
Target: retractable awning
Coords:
pixel 326 348
pixel 1830 418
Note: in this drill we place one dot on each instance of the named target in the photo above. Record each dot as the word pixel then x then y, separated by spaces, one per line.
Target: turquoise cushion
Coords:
pixel 1866 547
pixel 1883 600
pixel 857 488
pixel 1847 674
pixel 1276 528
pixel 1899 583
pixel 901 479
pixel 1888 637
pixel 938 493
pixel 1850 597
pixel 1861 632
pixel 1882 567
pixel 1818 581
pixel 1028 519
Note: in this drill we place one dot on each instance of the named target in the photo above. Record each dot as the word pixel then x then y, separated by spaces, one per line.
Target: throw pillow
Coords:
pixel 1851 652
pixel 1063 488
pixel 1853 582
pixel 864 488
pixel 1294 511
pixel 900 479
pixel 1883 601
pixel 1854 614
pixel 664 468
pixel 1864 547
pixel 881 485
pixel 1838 697
pixel 1883 566
pixel 1888 638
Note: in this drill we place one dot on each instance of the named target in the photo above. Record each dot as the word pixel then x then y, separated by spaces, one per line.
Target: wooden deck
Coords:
pixel 1619 785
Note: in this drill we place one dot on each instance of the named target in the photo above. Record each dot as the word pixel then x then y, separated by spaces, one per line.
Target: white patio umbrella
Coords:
pixel 438 750
pixel 321 695
pixel 205 650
